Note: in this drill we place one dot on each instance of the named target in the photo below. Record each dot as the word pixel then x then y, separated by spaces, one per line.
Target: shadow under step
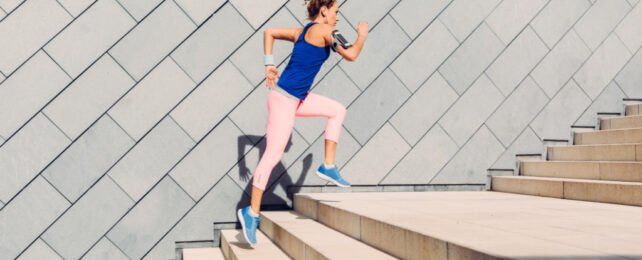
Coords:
pixel 209 253
pixel 615 136
pixel 634 109
pixel 304 238
pixel 235 247
pixel 626 193
pixel 621 122
pixel 593 170
pixel 598 152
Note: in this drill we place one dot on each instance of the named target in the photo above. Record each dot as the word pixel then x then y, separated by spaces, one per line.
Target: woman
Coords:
pixel 291 98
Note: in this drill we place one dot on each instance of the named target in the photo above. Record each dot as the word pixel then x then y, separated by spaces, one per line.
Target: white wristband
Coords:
pixel 268 60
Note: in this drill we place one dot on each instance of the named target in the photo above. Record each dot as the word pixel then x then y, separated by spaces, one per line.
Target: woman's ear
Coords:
pixel 324 11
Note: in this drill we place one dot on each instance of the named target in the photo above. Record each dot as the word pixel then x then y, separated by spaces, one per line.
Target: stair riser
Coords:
pixel 632 110
pixel 396 241
pixel 586 191
pixel 227 252
pixel 631 172
pixel 621 122
pixel 624 152
pixel 291 245
pixel 628 136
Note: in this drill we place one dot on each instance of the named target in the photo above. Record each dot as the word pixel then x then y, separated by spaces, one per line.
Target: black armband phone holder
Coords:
pixel 339 40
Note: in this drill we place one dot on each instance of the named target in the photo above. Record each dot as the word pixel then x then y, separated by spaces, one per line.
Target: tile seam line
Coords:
pixel 11 12
pixel 51 247
pixel 126 11
pixel 64 8
pixel 184 12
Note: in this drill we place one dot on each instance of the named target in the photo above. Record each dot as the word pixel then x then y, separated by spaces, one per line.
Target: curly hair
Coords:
pixel 314 6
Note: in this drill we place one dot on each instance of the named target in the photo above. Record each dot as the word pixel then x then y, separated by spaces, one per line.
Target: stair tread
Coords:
pixel 502 224
pixel 265 248
pixel 571 180
pixel 327 241
pixel 205 253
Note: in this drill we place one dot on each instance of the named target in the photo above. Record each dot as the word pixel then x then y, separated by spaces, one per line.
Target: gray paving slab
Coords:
pixel 28 90
pixel 28 215
pixel 209 160
pixel 89 36
pixel 85 223
pixel 600 20
pixel 39 250
pixel 151 158
pixel 251 114
pixel 470 111
pixel 383 45
pixel 196 55
pixel 76 7
pixel 629 29
pixel 88 158
pixel 139 9
pixel 610 100
pixel 471 161
pixel 516 61
pixel 424 55
pixel 243 172
pixel 152 39
pixel 257 12
pixel 375 106
pixel 602 66
pixel 337 86
pixel 2 14
pixel 561 112
pixel 147 222
pixel 462 17
pixel 376 158
pixel 634 2
pixel 526 143
pixel 151 99
pixel 561 63
pixel 510 17
pixel 27 153
pixel 200 10
pixel 218 205
pixel 557 18
pixel 355 12
pixel 248 59
pixel 103 250
pixel 425 159
pixel 197 114
pixel 463 67
pixel 629 79
pixel 87 98
pixel 517 111
pixel 423 109
pixel 414 15
pixel 27 29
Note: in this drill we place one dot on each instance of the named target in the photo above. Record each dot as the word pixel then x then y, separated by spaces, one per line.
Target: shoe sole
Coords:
pixel 325 177
pixel 240 215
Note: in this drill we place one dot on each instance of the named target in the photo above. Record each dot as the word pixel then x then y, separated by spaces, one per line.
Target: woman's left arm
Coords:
pixel 287 34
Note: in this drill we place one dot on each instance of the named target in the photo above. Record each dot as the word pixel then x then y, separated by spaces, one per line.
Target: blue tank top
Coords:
pixel 304 64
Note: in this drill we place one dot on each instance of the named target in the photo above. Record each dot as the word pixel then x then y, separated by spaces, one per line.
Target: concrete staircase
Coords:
pixel 585 206
pixel 601 166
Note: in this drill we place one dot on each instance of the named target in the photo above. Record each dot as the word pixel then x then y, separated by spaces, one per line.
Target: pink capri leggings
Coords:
pixel 281 113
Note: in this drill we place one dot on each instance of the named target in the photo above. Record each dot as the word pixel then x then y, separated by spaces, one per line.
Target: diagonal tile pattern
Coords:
pixel 155 110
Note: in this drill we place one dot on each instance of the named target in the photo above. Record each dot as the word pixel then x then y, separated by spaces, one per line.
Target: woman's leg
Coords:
pixel 281 114
pixel 317 105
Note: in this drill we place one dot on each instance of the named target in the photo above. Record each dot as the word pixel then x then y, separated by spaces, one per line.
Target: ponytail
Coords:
pixel 314 7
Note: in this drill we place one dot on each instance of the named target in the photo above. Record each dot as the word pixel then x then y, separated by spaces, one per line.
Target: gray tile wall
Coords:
pixel 128 125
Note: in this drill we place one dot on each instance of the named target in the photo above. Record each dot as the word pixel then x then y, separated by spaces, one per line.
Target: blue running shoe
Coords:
pixel 249 225
pixel 332 175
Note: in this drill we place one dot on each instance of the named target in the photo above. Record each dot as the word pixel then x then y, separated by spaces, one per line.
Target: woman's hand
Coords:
pixel 271 74
pixel 362 30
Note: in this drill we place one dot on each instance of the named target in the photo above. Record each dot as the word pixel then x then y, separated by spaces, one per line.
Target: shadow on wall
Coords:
pixel 279 175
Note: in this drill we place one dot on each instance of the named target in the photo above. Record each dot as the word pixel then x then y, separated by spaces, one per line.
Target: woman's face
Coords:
pixel 332 15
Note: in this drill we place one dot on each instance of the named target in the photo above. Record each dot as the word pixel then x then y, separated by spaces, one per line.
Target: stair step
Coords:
pixel 621 122
pixel 235 247
pixel 626 193
pixel 205 253
pixel 304 238
pixel 616 136
pixel 635 109
pixel 479 225
pixel 595 170
pixel 598 152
